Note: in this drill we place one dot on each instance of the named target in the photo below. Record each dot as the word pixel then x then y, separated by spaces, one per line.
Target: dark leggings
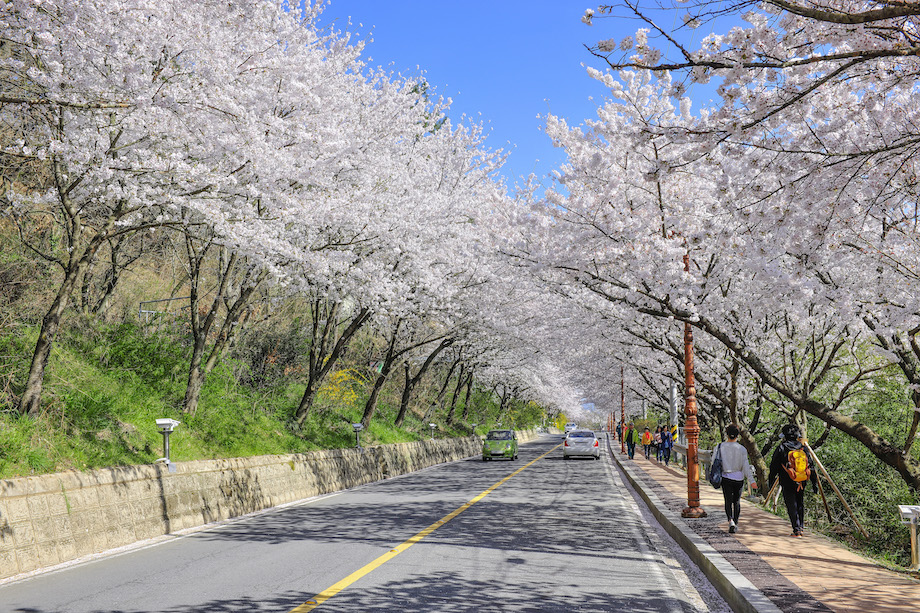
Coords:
pixel 794 497
pixel 731 491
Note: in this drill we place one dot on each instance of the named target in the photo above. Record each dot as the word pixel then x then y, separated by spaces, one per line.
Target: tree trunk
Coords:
pixel 411 383
pixel 30 403
pixel 321 360
pixel 404 399
pixel 461 377
pixel 193 386
pixel 443 392
pixel 371 406
pixel 96 300
pixel 199 368
pixel 393 355
pixel 466 401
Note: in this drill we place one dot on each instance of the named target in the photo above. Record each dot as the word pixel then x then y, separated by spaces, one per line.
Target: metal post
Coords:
pixel 672 404
pixel 691 427
pixel 166 445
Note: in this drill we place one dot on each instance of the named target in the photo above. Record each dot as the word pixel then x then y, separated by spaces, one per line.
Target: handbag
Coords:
pixel 715 468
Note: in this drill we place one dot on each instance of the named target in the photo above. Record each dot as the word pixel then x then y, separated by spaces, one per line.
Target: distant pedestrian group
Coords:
pixel 659 442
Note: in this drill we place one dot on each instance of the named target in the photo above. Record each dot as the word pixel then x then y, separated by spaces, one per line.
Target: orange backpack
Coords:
pixel 797 466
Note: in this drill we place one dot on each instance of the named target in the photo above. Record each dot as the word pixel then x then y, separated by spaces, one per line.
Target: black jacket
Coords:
pixel 778 463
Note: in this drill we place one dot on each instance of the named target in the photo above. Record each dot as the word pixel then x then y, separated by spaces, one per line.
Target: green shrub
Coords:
pixel 152 357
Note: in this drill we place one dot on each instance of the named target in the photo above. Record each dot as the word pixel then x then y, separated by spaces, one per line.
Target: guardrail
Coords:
pixel 704 456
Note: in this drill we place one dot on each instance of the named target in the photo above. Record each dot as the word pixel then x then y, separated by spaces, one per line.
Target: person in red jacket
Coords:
pixel 647 442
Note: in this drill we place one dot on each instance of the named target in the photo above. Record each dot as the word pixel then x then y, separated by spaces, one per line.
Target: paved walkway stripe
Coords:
pixel 332 590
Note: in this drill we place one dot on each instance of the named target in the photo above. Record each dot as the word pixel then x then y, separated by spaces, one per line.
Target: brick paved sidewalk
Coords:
pixel 812 573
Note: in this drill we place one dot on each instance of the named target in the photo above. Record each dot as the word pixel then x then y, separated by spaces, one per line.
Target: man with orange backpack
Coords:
pixel 793 465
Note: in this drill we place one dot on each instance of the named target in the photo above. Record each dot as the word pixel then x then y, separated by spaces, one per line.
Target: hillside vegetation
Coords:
pixel 112 375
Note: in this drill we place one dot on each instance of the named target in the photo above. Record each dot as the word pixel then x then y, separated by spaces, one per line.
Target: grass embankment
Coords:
pixel 106 386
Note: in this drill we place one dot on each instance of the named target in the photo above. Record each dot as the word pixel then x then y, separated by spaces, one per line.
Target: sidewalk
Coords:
pixel 761 568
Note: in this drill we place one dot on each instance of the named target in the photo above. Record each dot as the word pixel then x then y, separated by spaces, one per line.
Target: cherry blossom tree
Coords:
pixel 638 197
pixel 146 115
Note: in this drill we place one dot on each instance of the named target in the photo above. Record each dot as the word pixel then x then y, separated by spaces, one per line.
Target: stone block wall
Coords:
pixel 50 519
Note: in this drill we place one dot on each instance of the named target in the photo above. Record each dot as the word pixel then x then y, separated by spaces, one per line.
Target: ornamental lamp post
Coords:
pixel 622 412
pixel 691 427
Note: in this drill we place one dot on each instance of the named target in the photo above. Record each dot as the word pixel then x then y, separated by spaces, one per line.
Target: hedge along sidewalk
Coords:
pixel 50 519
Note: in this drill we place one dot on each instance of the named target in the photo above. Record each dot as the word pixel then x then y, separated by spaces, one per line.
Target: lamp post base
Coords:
pixel 693 512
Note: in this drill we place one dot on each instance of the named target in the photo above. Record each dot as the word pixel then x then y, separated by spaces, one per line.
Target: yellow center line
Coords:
pixel 332 590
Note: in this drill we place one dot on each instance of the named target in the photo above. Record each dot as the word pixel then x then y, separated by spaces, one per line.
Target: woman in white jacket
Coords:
pixel 735 468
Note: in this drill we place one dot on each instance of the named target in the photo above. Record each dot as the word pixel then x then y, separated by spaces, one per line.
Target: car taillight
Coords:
pixel 597 443
pixel 566 442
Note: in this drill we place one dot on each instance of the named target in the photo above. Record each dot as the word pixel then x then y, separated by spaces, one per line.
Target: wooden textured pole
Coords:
pixel 691 427
pixel 769 499
pixel 827 507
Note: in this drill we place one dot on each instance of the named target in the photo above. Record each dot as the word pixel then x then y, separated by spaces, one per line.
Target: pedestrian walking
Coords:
pixel 619 430
pixel 793 466
pixel 667 442
pixel 647 441
pixel 735 469
pixel 632 437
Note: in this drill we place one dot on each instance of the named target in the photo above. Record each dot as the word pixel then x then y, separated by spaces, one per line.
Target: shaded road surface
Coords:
pixel 556 536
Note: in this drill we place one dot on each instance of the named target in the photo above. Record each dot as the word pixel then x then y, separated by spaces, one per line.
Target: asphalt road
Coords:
pixel 535 534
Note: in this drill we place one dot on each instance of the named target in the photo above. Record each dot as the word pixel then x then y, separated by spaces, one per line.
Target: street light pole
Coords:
pixel 622 412
pixel 691 426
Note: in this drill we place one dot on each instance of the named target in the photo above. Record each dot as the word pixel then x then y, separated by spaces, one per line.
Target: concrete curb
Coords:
pixel 734 587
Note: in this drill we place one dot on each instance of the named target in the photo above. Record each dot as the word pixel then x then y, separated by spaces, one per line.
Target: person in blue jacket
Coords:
pixel 667 442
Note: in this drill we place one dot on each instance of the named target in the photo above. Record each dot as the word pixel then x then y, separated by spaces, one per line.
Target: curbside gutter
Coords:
pixel 741 595
pixel 50 519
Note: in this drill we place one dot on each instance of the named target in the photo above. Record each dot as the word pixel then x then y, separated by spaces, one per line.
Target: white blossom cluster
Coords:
pixel 795 199
pixel 244 121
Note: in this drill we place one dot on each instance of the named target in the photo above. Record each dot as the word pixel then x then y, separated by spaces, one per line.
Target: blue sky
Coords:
pixel 502 62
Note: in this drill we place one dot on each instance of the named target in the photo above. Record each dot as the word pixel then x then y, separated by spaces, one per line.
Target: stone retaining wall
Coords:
pixel 49 519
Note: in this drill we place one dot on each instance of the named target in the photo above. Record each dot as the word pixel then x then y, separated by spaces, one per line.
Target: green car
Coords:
pixel 500 444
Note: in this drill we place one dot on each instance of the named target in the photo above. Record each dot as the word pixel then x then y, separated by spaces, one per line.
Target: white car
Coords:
pixel 581 443
pixel 570 426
